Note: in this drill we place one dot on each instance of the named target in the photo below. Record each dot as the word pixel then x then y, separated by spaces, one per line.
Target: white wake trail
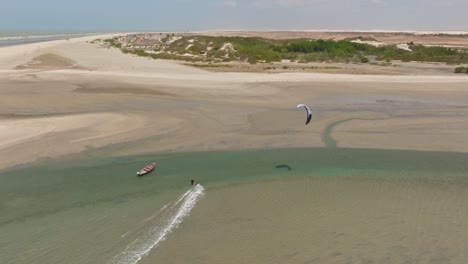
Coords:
pixel 177 212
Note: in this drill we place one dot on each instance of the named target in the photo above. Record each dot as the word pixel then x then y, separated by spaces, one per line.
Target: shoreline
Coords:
pixel 392 68
pixel 18 41
pixel 135 105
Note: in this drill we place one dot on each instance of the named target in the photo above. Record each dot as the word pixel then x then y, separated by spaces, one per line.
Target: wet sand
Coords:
pixel 172 107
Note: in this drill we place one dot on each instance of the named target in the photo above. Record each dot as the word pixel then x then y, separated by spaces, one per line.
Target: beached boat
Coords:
pixel 146 169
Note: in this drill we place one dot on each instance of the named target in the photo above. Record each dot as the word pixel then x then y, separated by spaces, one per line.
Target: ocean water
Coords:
pixel 330 206
pixel 12 38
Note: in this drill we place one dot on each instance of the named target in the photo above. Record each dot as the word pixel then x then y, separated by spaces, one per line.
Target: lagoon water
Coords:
pixel 333 206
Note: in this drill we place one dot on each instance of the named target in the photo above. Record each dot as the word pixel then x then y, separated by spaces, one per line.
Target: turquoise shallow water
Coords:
pixel 91 210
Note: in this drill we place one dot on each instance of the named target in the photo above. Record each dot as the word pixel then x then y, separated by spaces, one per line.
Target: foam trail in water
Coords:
pixel 151 239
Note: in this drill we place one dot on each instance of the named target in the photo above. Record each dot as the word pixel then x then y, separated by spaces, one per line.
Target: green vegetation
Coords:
pixel 209 65
pixel 260 50
pixel 364 60
pixel 425 54
pixel 361 38
pixel 461 70
pixel 138 52
pixel 240 48
pixel 321 50
pixel 113 43
pixel 165 56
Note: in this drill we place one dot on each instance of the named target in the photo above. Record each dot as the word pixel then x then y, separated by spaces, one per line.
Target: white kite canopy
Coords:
pixel 309 112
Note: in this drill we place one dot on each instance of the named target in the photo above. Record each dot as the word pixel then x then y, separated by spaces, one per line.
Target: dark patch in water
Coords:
pixel 283 166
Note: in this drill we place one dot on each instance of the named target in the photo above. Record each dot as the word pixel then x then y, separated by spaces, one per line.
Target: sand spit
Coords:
pixel 47 61
pixel 16 131
pixel 28 139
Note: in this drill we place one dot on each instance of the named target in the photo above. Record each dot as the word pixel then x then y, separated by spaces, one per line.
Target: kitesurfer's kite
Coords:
pixel 309 112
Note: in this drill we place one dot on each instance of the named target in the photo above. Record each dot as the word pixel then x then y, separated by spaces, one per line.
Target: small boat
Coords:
pixel 146 169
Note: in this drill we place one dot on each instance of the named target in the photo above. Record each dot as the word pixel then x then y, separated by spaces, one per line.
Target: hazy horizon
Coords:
pixel 208 15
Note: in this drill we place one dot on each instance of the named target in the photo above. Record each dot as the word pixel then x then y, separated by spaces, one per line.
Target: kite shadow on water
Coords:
pixel 283 166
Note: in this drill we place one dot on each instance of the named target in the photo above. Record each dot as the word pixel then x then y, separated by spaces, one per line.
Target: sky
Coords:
pixel 198 15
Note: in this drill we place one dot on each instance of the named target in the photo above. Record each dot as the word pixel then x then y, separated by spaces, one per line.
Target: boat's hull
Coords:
pixel 143 173
pixel 146 170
